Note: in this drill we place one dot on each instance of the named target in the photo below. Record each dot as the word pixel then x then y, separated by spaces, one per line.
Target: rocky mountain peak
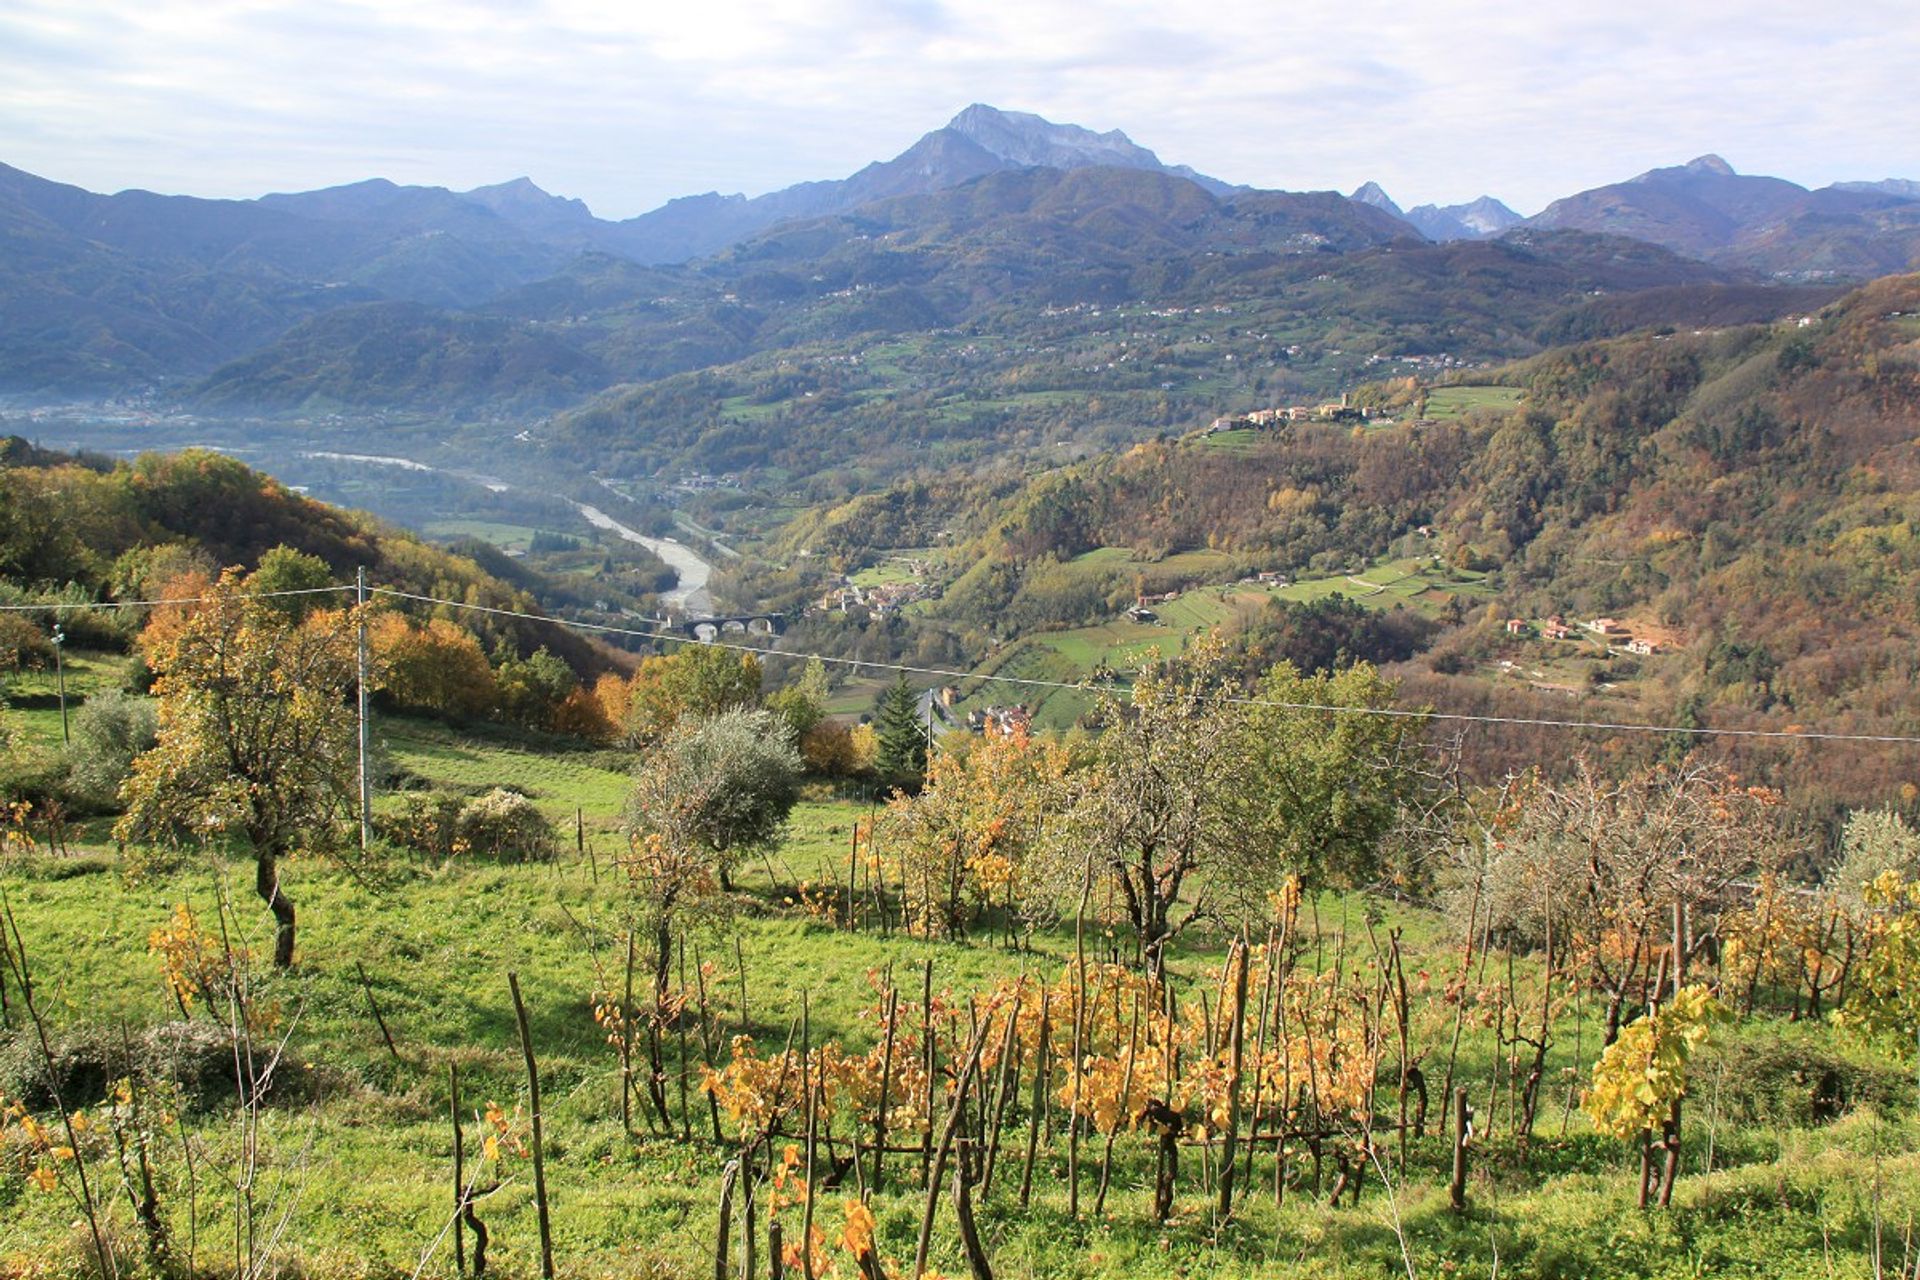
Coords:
pixel 1372 193
pixel 1021 138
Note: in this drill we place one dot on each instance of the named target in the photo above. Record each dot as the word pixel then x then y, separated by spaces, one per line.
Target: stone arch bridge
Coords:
pixel 751 624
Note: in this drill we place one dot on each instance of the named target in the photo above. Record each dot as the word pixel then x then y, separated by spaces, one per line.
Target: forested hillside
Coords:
pixel 79 530
pixel 1744 495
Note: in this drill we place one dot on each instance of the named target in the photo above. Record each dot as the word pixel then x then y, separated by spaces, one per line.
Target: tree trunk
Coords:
pixel 266 883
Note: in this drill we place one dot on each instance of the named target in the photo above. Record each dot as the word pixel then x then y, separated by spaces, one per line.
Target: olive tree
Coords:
pixel 715 790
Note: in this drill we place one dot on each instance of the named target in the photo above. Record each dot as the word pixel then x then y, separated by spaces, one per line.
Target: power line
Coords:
pixel 52 605
pixel 1031 682
pixel 1603 726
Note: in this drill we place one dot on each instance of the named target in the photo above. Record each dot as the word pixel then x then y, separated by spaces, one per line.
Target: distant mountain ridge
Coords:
pixel 1906 188
pixel 1707 210
pixel 113 292
pixel 978 141
pixel 1480 219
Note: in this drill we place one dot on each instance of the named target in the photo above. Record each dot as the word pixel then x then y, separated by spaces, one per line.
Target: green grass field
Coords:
pixel 508 537
pixel 356 1145
pixel 1239 440
pixel 891 568
pixel 1456 402
pixel 1122 645
pixel 364 1138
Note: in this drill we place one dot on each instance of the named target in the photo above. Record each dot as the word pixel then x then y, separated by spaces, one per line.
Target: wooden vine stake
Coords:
pixel 886 1089
pixel 539 1158
pixel 459 1170
pixel 724 1231
pixel 945 1148
pixel 1238 958
pixel 1459 1187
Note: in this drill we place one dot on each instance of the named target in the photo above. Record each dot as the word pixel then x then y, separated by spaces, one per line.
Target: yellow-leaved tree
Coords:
pixel 256 734
pixel 1639 1081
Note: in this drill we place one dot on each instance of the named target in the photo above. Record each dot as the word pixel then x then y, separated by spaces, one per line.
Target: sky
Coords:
pixel 626 105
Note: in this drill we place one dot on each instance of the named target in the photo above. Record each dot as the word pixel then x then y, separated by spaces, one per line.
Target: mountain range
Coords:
pixel 1477 220
pixel 105 293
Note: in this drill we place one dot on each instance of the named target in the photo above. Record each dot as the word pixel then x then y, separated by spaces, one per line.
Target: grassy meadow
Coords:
pixel 1121 645
pixel 356 1147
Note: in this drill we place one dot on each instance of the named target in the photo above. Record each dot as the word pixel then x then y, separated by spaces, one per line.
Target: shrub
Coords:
pixel 498 824
pixel 193 1054
pixel 84 1060
pixel 504 824
pixel 425 824
pixel 109 730
pixel 23 643
pixel 1794 1074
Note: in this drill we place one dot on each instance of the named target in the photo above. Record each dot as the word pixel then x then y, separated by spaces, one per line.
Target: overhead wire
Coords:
pixel 1236 699
pixel 55 606
pixel 1032 682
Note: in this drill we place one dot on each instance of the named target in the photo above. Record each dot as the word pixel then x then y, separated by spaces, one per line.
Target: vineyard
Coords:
pixel 818 1087
pixel 1239 978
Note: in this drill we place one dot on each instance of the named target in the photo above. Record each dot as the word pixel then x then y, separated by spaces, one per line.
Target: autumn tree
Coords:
pixel 1159 803
pixel 437 667
pixel 700 681
pixel 964 842
pixel 256 736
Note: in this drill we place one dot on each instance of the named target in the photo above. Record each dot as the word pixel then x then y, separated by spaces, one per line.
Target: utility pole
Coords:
pixel 366 786
pixel 60 675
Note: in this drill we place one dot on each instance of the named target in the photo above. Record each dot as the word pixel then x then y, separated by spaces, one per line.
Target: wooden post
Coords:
pixel 459 1170
pixel 853 877
pixel 808 1087
pixel 1458 1188
pixel 1042 1070
pixel 626 1043
pixel 947 1131
pixel 1079 1043
pixel 886 1089
pixel 1236 1052
pixel 375 1006
pixel 963 1212
pixel 740 963
pixel 725 1230
pixel 1009 1081
pixel 539 1159
pixel 927 1065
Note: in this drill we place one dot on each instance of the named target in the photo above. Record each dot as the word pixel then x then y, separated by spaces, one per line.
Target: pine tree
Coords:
pixel 901 758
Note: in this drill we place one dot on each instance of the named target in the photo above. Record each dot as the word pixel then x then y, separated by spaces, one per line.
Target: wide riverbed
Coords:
pixel 690 594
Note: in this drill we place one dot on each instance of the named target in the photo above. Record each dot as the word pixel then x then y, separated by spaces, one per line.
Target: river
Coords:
pixel 690 594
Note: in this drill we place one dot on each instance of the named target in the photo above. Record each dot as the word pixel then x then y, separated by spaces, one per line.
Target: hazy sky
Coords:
pixel 628 104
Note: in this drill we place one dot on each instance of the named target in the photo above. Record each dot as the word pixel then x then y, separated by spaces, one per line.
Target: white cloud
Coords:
pixel 629 104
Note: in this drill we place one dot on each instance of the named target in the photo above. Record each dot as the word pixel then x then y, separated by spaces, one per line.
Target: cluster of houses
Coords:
pixel 1609 629
pixel 1003 721
pixel 880 600
pixel 1264 418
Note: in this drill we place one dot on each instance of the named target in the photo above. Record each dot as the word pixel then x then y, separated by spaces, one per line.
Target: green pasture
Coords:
pixel 1457 402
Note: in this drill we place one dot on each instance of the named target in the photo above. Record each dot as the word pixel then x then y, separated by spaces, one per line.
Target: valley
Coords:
pixel 1256 733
